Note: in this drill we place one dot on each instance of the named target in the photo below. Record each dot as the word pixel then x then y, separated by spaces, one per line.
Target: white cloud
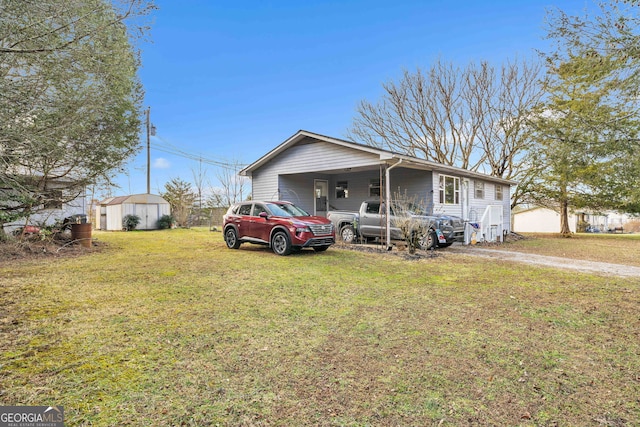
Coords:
pixel 161 163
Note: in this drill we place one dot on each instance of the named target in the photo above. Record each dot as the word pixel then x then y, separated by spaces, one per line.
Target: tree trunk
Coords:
pixel 564 219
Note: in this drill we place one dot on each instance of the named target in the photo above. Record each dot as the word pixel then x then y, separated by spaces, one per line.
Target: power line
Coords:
pixel 168 148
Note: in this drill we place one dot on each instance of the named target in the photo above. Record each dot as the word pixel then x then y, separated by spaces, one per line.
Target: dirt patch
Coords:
pixel 395 251
pixel 31 248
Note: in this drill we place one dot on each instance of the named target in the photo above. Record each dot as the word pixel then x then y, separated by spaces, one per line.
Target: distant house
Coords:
pixel 149 207
pixel 545 220
pixel 321 173
pixel 61 204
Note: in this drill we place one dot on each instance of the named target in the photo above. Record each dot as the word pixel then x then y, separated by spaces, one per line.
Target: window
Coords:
pixel 478 189
pixel 258 209
pixel 449 190
pixel 498 192
pixel 53 199
pixel 245 209
pixel 342 190
pixel 373 208
pixel 374 187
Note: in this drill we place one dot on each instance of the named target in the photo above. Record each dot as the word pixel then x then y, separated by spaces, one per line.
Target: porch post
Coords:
pixel 387 198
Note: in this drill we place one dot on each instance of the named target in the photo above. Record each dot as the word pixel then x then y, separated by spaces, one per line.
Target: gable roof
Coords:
pixel 384 155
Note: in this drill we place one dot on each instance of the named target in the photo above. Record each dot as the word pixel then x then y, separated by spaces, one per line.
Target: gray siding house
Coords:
pixel 321 173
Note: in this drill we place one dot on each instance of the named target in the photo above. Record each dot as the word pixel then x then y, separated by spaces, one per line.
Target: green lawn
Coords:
pixel 172 328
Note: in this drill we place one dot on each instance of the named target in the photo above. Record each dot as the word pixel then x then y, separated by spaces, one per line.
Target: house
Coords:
pixel 538 219
pixel 61 203
pixel 321 173
pixel 149 207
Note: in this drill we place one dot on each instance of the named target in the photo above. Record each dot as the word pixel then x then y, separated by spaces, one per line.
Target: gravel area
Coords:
pixel 550 261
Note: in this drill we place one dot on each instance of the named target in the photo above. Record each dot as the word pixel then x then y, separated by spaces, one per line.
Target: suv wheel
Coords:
pixel 231 238
pixel 280 243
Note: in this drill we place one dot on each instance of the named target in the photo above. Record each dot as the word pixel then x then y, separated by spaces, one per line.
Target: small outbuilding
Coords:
pixel 148 207
pixel 537 219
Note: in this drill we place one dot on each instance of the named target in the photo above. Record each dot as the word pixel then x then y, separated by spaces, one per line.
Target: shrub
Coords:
pixel 165 222
pixel 130 222
pixel 409 218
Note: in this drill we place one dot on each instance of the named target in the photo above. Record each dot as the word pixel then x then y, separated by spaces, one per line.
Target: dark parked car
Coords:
pixel 281 225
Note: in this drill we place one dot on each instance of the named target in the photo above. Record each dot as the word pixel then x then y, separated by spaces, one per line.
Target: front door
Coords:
pixel 321 199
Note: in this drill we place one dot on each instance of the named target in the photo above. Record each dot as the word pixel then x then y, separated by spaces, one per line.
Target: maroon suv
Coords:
pixel 281 225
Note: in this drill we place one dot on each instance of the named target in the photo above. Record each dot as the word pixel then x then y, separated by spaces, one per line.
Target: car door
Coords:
pixel 371 224
pixel 259 226
pixel 242 220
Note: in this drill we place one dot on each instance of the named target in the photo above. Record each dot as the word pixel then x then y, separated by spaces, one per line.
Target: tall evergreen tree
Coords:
pixel 181 197
pixel 70 98
pixel 588 126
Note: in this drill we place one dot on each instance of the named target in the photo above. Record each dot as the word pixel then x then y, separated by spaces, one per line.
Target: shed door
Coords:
pixel 321 197
pixel 148 214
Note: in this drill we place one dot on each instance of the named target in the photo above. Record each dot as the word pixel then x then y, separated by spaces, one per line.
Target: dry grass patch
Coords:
pixel 613 248
pixel 172 328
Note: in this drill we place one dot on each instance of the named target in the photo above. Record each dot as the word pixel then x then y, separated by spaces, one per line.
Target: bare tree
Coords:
pixel 233 186
pixel 410 215
pixel 199 179
pixel 473 117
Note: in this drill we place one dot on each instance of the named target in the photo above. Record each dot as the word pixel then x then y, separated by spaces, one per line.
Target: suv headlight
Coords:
pixel 302 230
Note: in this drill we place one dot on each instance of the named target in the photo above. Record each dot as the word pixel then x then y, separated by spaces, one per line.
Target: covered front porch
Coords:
pixel 345 189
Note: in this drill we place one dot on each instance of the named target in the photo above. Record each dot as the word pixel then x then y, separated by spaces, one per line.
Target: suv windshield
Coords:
pixel 285 209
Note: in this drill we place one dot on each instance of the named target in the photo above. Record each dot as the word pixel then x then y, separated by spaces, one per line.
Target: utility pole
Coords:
pixel 148 151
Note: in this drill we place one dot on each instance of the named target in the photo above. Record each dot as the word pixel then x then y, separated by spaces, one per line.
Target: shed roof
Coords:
pixel 135 198
pixel 384 155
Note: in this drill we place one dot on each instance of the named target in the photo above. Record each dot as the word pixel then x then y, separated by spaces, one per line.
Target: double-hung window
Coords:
pixel 478 189
pixel 449 190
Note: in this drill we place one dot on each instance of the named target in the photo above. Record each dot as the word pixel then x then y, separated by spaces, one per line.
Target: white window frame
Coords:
pixel 478 189
pixel 499 192
pixel 455 196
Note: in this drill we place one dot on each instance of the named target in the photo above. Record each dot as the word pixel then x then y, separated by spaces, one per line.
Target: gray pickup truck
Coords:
pixel 370 223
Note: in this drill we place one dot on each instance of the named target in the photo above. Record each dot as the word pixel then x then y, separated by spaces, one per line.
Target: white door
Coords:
pixel 321 199
pixel 148 214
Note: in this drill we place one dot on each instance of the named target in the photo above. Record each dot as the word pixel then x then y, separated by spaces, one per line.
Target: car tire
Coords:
pixel 231 238
pixel 429 240
pixel 320 248
pixel 280 243
pixel 347 234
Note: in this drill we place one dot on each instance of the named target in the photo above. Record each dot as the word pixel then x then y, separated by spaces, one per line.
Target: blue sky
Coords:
pixel 230 80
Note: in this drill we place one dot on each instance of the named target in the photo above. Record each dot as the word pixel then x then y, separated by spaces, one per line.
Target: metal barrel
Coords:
pixel 82 233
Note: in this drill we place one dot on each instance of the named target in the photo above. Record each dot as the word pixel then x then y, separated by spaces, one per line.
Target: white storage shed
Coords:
pixel 149 207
